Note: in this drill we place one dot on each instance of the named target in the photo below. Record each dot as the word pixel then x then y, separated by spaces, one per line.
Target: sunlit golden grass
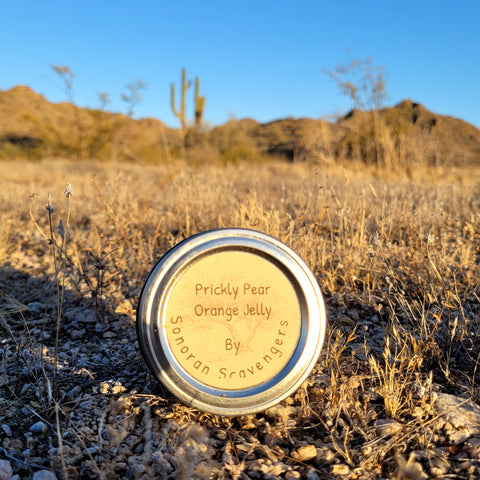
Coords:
pixel 392 253
pixel 392 242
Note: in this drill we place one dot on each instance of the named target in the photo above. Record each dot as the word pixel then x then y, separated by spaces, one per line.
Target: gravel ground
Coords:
pixel 102 415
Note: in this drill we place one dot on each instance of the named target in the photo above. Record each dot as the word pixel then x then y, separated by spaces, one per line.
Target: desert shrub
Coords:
pixel 240 153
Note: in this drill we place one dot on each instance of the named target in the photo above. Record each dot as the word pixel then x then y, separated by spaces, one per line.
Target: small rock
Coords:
pixel 145 476
pixel 5 470
pixel 235 470
pixel 135 470
pixel 462 416
pixel 104 387
pixel 455 435
pixel 278 468
pixel 410 468
pixel 86 316
pixel 26 387
pixel 340 469
pixel 438 459
pixel 312 475
pixel 86 405
pixel 438 471
pixel 305 453
pixel 359 351
pixel 354 315
pixel 292 475
pixel 262 465
pixel 74 392
pixel 44 475
pixel 281 412
pixel 109 334
pixel 125 308
pixel 39 427
pixel 7 430
pixel 120 467
pixel 325 455
pixel 473 448
pixel 346 321
pixel 77 334
pixel 111 387
pixel 36 307
pixel 387 426
pixel 160 463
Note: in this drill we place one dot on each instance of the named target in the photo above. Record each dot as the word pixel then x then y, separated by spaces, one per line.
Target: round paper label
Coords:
pixel 232 320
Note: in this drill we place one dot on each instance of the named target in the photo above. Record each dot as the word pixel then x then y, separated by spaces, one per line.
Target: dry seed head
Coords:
pixel 68 190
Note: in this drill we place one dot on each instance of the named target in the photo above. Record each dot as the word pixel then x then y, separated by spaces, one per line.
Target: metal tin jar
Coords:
pixel 231 321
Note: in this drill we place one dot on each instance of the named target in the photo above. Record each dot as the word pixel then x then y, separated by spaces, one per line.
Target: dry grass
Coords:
pixel 397 258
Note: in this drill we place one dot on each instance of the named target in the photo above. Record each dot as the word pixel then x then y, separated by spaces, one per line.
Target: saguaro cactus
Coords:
pixel 199 101
pixel 199 104
pixel 185 86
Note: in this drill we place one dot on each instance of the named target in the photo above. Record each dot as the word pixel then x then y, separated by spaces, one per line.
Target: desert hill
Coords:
pixel 407 133
pixel 32 126
pixel 419 133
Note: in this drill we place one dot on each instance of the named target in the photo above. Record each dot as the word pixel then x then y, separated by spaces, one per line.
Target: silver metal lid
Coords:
pixel 231 321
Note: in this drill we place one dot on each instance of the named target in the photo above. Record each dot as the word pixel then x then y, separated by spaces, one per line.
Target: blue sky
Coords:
pixel 256 59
